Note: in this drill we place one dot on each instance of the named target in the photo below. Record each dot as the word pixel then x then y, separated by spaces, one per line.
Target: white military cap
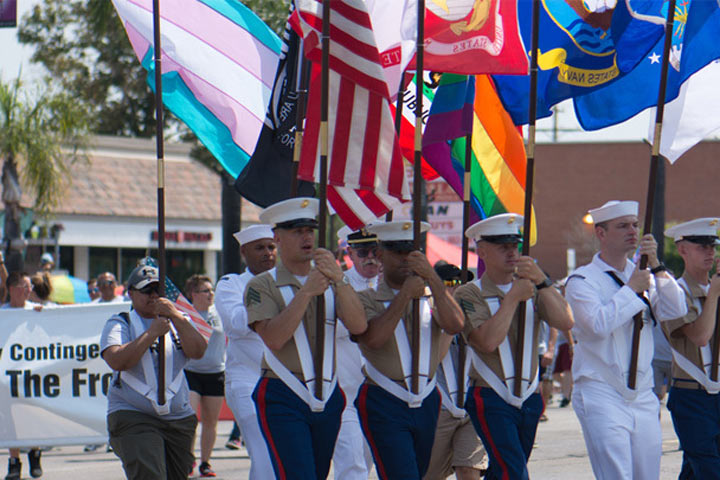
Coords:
pixel 397 235
pixel 614 209
pixel 252 233
pixel 292 213
pixel 357 238
pixel 701 230
pixel 503 228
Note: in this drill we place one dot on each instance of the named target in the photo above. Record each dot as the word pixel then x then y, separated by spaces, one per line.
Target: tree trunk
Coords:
pixel 231 220
pixel 12 243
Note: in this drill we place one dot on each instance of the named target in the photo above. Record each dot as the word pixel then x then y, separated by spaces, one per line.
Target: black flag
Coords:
pixel 267 177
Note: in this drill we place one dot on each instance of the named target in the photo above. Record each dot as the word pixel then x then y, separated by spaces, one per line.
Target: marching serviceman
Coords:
pixel 299 429
pixel 621 425
pixel 245 348
pixel 695 396
pixel 399 424
pixel 505 421
pixel 457 447
pixel 352 459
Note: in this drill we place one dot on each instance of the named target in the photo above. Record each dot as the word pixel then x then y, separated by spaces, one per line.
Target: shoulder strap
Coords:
pixel 642 297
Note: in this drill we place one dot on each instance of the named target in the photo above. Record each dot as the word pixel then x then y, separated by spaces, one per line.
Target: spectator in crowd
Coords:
pixel 107 284
pixel 47 263
pixel 563 365
pixel 206 376
pixel 19 287
pixel 153 440
pixel 41 289
pixel 93 289
pixel 3 278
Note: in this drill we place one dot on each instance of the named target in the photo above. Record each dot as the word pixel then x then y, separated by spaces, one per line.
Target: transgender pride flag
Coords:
pixel 219 61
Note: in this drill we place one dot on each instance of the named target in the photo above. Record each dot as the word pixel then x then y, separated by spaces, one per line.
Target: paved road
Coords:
pixel 559 454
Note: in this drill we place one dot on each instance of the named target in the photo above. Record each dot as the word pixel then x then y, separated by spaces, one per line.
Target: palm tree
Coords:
pixel 41 136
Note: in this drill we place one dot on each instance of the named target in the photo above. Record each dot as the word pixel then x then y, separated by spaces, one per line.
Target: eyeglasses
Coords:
pixel 149 289
pixel 364 252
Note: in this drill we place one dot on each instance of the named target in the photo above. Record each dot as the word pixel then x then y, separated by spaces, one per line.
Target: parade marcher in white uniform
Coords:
pixel 245 348
pixel 352 458
pixel 695 397
pixel 621 425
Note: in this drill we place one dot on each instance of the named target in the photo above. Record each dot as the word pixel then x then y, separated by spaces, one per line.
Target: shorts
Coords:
pixel 563 362
pixel 206 384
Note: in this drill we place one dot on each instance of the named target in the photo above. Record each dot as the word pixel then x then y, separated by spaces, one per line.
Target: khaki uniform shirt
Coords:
pixel 386 359
pixel 264 301
pixel 477 311
pixel 677 338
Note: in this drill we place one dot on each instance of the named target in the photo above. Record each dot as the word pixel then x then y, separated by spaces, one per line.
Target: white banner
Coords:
pixel 53 382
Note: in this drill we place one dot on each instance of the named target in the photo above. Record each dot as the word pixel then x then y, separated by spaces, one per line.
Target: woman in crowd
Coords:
pixel 206 376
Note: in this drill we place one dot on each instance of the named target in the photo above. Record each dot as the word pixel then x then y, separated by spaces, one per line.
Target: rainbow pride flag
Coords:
pixel 497 178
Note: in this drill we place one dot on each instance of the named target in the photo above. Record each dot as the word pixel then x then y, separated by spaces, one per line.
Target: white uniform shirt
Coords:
pixel 245 347
pixel 603 322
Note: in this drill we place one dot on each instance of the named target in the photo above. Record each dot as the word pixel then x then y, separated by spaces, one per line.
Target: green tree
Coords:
pixel 41 135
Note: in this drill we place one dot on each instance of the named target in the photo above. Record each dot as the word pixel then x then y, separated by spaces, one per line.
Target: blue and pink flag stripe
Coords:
pixel 219 64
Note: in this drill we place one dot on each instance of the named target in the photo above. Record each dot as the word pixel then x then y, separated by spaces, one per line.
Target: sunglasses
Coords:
pixel 452 283
pixel 364 252
pixel 149 289
pixel 93 290
pixel 103 283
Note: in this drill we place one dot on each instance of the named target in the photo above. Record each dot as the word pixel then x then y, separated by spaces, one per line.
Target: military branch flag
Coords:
pixel 473 36
pixel 366 177
pixel 219 62
pixel 580 50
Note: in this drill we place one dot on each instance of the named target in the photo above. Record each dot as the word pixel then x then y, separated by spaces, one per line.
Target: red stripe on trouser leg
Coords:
pixel 480 412
pixel 362 410
pixel 266 428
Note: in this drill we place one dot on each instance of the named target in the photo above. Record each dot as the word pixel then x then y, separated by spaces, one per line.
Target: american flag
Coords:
pixel 366 177
pixel 183 304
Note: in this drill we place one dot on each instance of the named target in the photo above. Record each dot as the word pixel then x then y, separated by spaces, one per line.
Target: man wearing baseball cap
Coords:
pixel 152 440
pixel 621 425
pixel 505 420
pixel 399 423
pixel 694 400
pixel 300 429
pixel 245 348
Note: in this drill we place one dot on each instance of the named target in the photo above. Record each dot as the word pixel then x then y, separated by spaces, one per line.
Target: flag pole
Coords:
pixel 652 181
pixel 160 149
pixel 398 124
pixel 529 180
pixel 301 106
pixel 462 346
pixel 322 194
pixel 417 184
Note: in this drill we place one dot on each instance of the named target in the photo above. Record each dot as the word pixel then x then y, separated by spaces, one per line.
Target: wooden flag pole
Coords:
pixel 417 184
pixel 398 125
pixel 529 180
pixel 160 149
pixel 304 66
pixel 652 181
pixel 322 194
pixel 462 346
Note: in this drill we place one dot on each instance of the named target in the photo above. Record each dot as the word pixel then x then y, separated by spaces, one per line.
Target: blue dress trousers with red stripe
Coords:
pixel 508 433
pixel 300 441
pixel 400 437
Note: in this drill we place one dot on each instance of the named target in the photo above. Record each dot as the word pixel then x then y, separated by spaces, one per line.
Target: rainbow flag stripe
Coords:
pixel 497 180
